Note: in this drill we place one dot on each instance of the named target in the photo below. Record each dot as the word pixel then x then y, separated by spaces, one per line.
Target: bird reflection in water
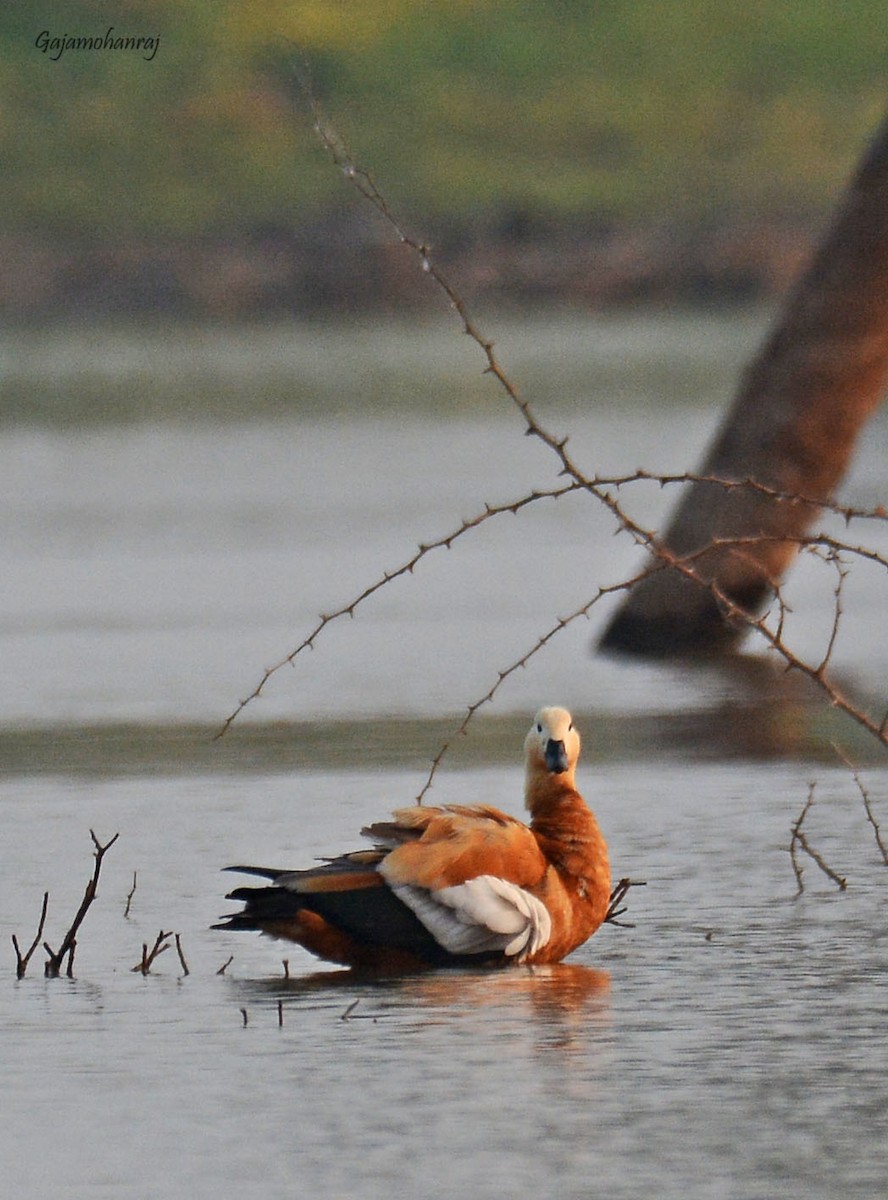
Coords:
pixel 561 1005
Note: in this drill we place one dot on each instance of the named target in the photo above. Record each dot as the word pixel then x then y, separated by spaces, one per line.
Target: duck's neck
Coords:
pixel 565 826
pixel 545 793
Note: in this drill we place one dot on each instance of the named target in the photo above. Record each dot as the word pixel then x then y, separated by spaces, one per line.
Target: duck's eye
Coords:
pixel 539 729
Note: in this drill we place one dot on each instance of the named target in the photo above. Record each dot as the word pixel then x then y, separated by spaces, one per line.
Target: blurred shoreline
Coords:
pixel 347 266
pixel 798 729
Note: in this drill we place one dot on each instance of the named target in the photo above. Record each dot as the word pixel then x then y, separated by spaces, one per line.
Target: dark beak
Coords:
pixel 556 757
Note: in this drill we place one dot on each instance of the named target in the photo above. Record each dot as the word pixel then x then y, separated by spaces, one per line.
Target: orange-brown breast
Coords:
pixel 575 911
pixel 576 889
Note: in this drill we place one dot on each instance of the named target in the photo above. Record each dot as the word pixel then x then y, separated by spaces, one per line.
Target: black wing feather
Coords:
pixel 373 916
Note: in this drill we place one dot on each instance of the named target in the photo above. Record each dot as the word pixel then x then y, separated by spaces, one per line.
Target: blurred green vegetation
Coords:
pixel 468 111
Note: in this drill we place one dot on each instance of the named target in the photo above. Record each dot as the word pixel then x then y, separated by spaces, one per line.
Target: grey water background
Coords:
pixel 178 506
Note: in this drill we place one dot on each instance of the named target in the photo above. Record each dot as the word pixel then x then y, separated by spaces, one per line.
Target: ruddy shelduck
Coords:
pixel 454 885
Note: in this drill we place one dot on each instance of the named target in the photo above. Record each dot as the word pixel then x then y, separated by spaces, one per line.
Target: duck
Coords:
pixel 453 885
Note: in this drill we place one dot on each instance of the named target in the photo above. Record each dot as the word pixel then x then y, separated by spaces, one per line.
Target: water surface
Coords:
pixel 176 509
pixel 730 1044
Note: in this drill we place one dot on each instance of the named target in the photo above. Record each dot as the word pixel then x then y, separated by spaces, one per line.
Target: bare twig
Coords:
pixel 226 965
pixel 407 568
pixel 561 624
pixel 22 960
pixel 848 513
pixel 842 573
pixel 53 965
pixel 734 612
pixel 760 623
pixel 813 542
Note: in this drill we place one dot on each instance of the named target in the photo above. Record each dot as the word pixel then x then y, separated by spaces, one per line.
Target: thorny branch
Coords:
pixel 605 490
pixel 446 541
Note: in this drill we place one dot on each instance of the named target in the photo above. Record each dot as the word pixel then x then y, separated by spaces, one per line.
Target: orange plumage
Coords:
pixel 456 884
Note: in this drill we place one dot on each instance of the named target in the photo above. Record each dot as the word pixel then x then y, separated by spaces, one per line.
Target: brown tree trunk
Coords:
pixel 792 427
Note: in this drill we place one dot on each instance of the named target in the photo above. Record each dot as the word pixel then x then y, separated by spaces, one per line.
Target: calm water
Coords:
pixel 175 513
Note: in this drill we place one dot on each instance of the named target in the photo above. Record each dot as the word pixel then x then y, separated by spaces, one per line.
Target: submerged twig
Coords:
pixel 351 1014
pixel 867 806
pixel 22 960
pixel 53 965
pixel 800 840
pixel 161 943
pixel 129 897
pixel 794 843
pixel 617 896
pixel 181 955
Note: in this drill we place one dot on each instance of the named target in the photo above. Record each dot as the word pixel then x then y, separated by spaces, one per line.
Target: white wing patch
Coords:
pixel 482 915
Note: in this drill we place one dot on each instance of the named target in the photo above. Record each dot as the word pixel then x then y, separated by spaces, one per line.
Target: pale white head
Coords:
pixel 552 745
